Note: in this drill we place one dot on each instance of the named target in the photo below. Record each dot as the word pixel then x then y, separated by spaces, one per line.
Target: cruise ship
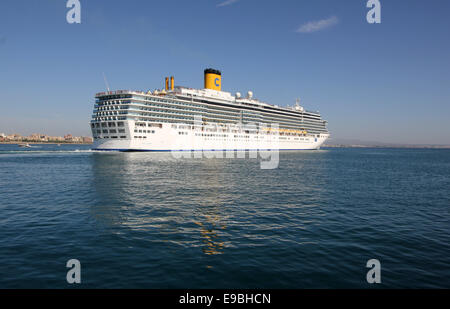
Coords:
pixel 179 118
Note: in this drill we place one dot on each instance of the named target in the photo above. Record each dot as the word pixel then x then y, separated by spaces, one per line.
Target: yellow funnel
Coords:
pixel 213 79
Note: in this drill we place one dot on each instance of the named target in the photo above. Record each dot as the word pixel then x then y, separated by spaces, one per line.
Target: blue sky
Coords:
pixel 386 82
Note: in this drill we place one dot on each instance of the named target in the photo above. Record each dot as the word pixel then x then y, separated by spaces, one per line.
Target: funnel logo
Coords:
pixel 216 82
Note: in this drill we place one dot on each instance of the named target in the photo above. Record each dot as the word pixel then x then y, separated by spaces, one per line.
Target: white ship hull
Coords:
pixel 168 138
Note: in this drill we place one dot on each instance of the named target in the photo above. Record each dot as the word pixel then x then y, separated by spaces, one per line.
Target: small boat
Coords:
pixel 25 145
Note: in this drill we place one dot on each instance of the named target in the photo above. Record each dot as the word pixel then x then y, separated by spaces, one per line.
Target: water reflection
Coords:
pixel 180 201
pixel 211 239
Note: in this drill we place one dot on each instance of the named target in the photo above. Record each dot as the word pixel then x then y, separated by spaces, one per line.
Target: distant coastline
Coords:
pixel 356 143
pixel 38 138
pixel 324 146
pixel 390 146
pixel 44 143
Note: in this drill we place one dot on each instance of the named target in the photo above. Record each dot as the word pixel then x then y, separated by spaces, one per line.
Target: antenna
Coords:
pixel 298 107
pixel 106 82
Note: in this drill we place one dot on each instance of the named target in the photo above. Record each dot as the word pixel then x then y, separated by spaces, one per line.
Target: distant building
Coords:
pixel 15 137
pixel 43 138
pixel 87 140
pixel 68 137
pixel 55 139
pixel 35 137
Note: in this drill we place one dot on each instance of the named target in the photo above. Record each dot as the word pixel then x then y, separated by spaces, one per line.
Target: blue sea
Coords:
pixel 149 220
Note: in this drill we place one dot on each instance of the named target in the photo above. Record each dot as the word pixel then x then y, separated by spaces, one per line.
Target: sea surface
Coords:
pixel 150 220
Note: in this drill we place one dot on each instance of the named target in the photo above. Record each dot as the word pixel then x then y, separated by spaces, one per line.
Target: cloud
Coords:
pixel 318 25
pixel 227 2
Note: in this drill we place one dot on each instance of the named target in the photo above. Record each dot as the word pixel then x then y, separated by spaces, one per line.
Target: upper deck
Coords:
pixel 208 95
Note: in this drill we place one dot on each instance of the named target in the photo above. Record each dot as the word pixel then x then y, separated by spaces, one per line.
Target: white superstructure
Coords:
pixel 180 118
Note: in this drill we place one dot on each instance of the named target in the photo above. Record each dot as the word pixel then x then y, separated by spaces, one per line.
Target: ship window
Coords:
pixel 112 131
